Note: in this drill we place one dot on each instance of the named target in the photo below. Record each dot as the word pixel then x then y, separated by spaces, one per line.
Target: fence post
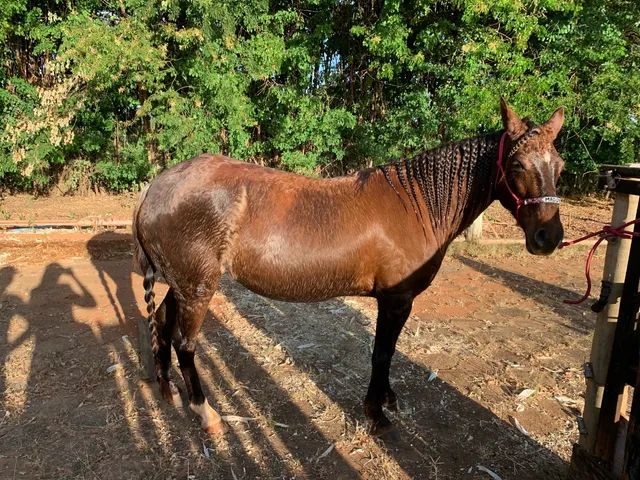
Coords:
pixel 144 345
pixel 474 232
pixel 615 269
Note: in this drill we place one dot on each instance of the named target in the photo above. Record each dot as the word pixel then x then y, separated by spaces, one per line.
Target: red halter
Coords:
pixel 503 176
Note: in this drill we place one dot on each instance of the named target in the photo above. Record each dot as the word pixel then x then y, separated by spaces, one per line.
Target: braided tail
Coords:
pixel 147 269
pixel 149 297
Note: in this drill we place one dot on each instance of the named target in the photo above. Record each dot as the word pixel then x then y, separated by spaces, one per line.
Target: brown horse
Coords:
pixel 382 232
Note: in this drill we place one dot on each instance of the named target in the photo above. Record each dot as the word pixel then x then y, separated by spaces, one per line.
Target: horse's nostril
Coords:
pixel 541 236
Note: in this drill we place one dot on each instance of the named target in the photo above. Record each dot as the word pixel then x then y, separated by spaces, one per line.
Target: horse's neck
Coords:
pixel 479 197
pixel 471 212
pixel 448 187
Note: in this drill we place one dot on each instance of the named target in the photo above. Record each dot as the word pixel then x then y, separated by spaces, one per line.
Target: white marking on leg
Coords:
pixel 210 420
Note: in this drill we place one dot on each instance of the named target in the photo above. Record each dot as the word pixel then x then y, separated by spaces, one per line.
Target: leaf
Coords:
pixel 517 424
pixel 326 452
pixel 237 418
pixel 492 474
pixel 526 393
pixel 565 400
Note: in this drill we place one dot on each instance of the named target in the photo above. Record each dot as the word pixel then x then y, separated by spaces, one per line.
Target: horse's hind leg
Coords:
pixel 191 313
pixel 393 311
pixel 167 327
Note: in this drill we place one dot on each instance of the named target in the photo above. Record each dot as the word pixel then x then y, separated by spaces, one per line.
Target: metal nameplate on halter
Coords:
pixel 530 201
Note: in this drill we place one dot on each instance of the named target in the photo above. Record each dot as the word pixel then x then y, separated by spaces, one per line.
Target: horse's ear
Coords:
pixel 511 121
pixel 554 124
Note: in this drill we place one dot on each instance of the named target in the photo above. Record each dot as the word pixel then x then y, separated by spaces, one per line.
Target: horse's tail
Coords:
pixel 142 260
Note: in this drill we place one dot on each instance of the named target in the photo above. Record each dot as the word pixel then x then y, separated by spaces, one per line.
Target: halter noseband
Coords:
pixel 503 176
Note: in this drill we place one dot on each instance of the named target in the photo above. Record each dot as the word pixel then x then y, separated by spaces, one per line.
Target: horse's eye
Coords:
pixel 517 166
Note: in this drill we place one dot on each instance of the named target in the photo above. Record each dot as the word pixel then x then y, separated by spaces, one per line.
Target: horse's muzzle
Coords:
pixel 544 240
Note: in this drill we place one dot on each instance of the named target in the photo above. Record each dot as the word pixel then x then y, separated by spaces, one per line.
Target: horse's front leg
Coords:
pixel 393 311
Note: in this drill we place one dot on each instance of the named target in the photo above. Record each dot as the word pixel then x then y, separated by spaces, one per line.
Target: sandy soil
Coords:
pixel 488 344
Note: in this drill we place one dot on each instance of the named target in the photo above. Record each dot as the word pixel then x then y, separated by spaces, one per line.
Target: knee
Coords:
pixel 187 346
pixel 186 353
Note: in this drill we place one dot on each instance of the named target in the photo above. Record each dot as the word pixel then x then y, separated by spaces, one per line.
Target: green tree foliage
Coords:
pixel 119 89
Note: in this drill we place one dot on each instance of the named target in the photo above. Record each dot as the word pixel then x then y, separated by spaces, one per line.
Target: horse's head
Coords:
pixel 528 168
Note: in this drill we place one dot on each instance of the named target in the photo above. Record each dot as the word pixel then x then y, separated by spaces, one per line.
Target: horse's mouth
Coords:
pixel 542 248
pixel 539 251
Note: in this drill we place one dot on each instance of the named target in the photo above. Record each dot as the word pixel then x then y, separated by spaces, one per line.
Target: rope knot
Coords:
pixel 605 233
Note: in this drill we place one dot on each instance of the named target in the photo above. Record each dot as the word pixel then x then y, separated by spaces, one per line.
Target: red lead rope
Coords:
pixel 606 233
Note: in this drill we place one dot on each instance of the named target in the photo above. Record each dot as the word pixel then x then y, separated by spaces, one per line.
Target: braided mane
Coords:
pixel 454 181
pixel 524 138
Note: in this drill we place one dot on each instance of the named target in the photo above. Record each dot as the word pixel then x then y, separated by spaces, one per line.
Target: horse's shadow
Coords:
pixel 444 434
pixel 544 293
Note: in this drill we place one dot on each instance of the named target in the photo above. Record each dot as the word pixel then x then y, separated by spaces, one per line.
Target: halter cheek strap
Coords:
pixel 503 176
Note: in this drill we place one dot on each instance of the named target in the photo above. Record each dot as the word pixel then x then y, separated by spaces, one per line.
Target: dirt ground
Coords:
pixel 489 347
pixel 27 208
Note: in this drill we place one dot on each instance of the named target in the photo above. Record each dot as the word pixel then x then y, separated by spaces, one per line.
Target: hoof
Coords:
pixel 385 431
pixel 165 390
pixel 210 420
pixel 391 401
pixel 390 436
pixel 217 429
pixel 392 406
pixel 170 393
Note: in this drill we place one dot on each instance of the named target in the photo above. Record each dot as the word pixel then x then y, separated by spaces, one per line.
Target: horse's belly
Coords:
pixel 299 283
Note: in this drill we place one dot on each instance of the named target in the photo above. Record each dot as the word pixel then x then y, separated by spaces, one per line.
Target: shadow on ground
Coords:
pixel 543 293
pixel 291 376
